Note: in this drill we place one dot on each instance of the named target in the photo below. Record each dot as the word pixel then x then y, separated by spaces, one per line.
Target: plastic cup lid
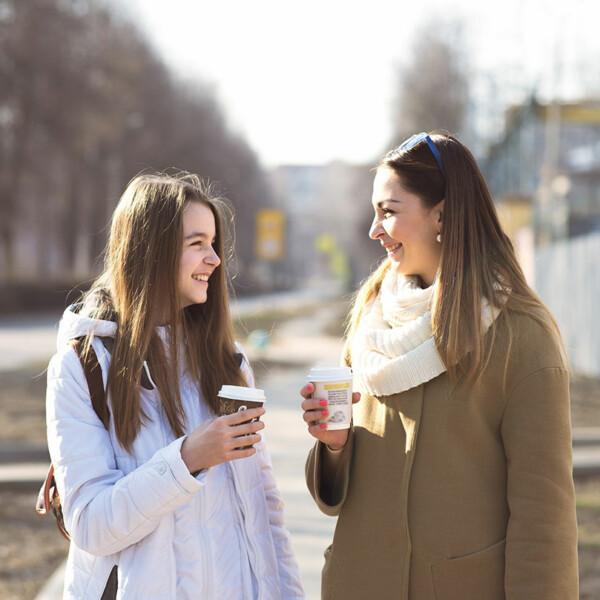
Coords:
pixel 234 392
pixel 329 373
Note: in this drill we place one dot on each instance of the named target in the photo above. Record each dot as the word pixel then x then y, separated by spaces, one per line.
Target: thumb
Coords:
pixel 355 397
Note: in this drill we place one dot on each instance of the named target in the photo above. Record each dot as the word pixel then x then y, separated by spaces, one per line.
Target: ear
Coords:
pixel 438 213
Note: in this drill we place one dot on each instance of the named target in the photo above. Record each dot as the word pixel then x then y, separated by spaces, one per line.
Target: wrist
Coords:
pixel 188 461
pixel 335 447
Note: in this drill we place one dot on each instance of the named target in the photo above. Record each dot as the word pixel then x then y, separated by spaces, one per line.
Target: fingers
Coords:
pixel 315 415
pixel 246 428
pixel 244 415
pixel 355 397
pixel 317 430
pixel 307 390
pixel 245 452
pixel 314 409
pixel 242 442
pixel 314 404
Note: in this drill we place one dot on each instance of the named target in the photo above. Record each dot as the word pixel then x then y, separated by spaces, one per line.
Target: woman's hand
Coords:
pixel 315 409
pixel 218 441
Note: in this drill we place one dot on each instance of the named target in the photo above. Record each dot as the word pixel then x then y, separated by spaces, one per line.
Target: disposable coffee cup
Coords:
pixel 238 399
pixel 334 384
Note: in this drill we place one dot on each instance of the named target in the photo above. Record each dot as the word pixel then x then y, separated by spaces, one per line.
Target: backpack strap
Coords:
pixel 108 343
pixel 93 375
pixel 239 358
pixel 48 498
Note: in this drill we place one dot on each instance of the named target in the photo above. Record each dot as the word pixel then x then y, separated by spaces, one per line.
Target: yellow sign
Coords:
pixel 270 234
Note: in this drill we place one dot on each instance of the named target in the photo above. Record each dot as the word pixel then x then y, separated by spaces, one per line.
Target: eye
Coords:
pixel 387 212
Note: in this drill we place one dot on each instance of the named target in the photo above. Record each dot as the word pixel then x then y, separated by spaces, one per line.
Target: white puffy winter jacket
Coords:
pixel 219 536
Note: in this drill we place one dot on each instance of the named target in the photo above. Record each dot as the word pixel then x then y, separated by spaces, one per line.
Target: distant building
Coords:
pixel 328 211
pixel 545 171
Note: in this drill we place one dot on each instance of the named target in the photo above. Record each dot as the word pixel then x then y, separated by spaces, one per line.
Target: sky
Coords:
pixel 314 81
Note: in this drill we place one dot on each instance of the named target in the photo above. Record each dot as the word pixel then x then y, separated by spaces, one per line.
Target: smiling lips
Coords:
pixel 203 278
pixel 390 248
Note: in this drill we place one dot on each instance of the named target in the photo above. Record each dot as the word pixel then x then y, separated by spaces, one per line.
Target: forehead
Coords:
pixel 385 182
pixel 388 186
pixel 198 218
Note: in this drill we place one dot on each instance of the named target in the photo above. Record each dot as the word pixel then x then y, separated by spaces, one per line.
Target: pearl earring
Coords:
pixel 439 238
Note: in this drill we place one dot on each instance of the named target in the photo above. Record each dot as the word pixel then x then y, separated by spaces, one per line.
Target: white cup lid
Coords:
pixel 235 392
pixel 329 373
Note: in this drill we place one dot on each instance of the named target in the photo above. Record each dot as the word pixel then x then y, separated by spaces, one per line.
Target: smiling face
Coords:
pixel 198 257
pixel 405 228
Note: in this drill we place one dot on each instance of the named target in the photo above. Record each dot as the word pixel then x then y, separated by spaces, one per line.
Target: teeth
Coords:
pixel 392 248
pixel 200 277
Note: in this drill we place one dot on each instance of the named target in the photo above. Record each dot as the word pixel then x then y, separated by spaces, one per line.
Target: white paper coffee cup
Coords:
pixel 334 384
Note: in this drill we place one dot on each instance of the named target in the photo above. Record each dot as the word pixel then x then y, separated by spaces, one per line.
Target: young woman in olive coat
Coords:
pixel 454 481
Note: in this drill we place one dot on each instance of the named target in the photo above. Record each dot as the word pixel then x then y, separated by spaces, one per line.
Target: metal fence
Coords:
pixel 567 277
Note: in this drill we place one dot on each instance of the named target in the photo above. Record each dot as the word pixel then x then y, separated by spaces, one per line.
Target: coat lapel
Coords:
pixel 409 405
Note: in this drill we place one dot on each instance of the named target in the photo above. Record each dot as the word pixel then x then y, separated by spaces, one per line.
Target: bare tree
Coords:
pixel 432 93
pixel 433 87
pixel 85 104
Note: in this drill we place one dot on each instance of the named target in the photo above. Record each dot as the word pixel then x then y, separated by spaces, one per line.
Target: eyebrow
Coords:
pixel 197 234
pixel 382 202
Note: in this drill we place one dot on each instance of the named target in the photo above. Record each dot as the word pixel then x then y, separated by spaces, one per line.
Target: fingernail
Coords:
pixel 324 413
pixel 323 425
pixel 310 387
pixel 323 402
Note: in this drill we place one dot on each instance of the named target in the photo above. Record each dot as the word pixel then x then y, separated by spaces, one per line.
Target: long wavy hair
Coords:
pixel 477 260
pixel 139 290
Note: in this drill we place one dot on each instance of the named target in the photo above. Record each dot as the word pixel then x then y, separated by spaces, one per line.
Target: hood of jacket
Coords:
pixel 73 325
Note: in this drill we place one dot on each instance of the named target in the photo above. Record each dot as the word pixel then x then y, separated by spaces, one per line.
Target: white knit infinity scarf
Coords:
pixel 394 349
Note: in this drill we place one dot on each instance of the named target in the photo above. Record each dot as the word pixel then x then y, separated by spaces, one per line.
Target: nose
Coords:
pixel 212 258
pixel 376 229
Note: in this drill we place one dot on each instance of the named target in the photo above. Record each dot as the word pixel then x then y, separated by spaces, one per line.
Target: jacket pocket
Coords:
pixel 475 576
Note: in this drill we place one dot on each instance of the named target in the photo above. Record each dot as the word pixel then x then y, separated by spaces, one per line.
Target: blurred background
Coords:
pixel 286 107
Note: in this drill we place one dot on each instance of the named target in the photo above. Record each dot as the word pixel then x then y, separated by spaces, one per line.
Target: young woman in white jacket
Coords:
pixel 168 499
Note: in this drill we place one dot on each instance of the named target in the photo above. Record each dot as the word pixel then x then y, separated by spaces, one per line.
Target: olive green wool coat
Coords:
pixel 445 493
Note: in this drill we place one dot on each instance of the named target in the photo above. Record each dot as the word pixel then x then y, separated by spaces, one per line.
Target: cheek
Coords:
pixel 185 265
pixel 390 226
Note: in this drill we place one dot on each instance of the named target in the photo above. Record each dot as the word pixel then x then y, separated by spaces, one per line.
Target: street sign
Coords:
pixel 270 234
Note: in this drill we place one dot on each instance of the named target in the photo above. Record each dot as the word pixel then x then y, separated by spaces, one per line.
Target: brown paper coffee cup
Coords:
pixel 237 399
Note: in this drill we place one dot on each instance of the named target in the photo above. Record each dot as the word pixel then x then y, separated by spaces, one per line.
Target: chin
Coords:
pixel 193 301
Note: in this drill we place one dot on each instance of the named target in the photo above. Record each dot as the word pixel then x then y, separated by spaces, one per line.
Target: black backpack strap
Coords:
pixel 93 375
pixel 239 358
pixel 48 497
pixel 108 343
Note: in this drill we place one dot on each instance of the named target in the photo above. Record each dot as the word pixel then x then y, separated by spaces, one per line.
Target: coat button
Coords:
pixel 162 469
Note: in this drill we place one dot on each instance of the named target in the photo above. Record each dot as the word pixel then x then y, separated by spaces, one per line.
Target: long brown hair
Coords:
pixel 477 260
pixel 139 290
